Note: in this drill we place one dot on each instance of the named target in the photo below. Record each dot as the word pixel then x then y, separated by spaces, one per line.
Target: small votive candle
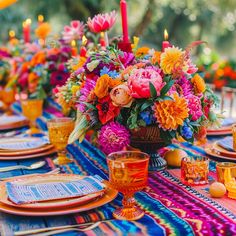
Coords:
pixel 194 171
pixel 234 136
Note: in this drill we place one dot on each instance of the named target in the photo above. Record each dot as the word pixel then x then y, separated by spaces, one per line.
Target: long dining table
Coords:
pixel 171 208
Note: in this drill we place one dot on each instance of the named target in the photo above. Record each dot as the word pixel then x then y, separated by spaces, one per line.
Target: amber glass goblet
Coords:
pixel 32 109
pixel 8 97
pixel 59 130
pixel 128 173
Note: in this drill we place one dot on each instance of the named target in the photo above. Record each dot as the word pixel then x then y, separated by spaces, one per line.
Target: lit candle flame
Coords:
pixel 28 21
pixel 40 18
pixel 73 43
pixel 84 40
pixel 165 35
pixel 12 33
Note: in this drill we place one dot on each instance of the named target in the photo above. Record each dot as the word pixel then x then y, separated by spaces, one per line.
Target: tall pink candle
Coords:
pixel 123 10
pixel 166 43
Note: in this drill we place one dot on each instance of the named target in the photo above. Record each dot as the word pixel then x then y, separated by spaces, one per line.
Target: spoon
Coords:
pixel 33 166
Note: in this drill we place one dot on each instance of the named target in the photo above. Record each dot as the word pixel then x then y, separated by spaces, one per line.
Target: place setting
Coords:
pixel 224 129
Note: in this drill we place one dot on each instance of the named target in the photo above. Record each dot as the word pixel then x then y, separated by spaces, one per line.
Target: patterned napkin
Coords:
pixel 20 144
pixel 228 121
pixel 226 143
pixel 26 193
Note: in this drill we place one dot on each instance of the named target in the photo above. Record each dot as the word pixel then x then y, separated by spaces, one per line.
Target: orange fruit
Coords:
pixel 217 189
pixel 174 157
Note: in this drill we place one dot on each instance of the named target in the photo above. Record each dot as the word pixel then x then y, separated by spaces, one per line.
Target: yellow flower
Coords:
pixel 198 83
pixel 135 44
pixel 171 113
pixel 80 63
pixel 74 89
pixel 142 51
pixel 171 59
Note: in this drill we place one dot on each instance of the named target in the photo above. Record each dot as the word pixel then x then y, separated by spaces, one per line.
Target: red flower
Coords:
pixel 106 110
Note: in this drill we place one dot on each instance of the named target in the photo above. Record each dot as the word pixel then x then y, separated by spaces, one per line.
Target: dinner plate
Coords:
pixel 219 132
pixel 223 151
pixel 12 122
pixel 210 151
pixel 22 143
pixel 40 179
pixel 26 152
pixel 28 156
pixel 107 197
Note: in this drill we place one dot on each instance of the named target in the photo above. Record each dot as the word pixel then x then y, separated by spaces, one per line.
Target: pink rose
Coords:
pixel 139 80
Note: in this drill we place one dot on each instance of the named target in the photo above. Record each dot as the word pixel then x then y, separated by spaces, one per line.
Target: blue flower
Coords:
pixel 187 132
pixel 104 71
pixel 147 117
pixel 112 73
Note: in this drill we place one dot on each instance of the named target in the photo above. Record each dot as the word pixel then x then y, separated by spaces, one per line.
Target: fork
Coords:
pixel 57 230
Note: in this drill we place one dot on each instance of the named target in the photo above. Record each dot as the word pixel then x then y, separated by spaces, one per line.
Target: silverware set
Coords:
pixel 61 229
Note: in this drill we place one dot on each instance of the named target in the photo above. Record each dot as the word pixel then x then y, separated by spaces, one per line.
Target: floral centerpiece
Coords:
pixel 117 93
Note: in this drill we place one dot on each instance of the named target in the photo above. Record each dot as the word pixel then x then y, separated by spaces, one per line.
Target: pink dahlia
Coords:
pixel 73 32
pixel 186 86
pixel 113 137
pixel 102 22
pixel 195 108
pixel 140 79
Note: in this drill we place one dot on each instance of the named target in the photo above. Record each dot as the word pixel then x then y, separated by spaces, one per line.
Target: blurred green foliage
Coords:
pixel 213 21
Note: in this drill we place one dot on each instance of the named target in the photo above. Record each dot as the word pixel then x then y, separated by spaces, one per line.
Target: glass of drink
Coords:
pixel 234 136
pixel 128 173
pixel 59 130
pixel 194 171
pixel 32 109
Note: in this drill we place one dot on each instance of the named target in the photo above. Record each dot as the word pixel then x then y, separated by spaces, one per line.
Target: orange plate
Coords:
pixel 107 197
pixel 210 151
pixel 39 179
pixel 26 151
pixel 33 155
pixel 14 125
pixel 223 151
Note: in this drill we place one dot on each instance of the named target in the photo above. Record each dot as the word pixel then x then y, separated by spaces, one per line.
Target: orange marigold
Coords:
pixel 156 58
pixel 43 30
pixel 142 51
pixel 198 83
pixel 171 113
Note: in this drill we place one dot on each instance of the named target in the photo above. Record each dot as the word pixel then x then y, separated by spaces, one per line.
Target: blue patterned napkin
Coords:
pixel 226 143
pixel 26 193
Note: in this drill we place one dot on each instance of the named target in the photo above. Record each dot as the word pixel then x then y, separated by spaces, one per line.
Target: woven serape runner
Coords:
pixel 171 208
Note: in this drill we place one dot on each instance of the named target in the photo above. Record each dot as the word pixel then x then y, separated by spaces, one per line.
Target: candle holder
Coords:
pixel 194 171
pixel 125 46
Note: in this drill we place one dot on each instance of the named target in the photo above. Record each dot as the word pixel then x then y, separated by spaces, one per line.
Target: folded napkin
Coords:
pixel 25 193
pixel 20 144
pixel 226 143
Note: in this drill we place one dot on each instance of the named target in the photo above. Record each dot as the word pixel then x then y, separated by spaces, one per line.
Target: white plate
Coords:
pixel 5 120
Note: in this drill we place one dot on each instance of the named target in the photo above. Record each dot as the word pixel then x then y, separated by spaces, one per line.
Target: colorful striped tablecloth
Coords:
pixel 171 208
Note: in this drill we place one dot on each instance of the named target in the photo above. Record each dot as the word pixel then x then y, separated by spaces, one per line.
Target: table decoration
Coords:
pixel 128 172
pixel 156 94
pixel 194 171
pixel 59 130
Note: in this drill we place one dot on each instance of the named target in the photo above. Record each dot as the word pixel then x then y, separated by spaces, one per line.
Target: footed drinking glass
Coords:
pixel 59 130
pixel 128 173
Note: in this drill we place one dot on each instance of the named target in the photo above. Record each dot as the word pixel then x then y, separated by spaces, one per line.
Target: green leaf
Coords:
pixel 89 105
pixel 166 88
pixel 146 105
pixel 152 90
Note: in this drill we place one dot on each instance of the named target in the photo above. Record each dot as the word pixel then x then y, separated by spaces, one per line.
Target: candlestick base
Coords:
pixel 125 46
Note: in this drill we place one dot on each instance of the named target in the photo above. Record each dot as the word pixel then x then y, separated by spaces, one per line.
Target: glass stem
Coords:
pixel 128 201
pixel 62 158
